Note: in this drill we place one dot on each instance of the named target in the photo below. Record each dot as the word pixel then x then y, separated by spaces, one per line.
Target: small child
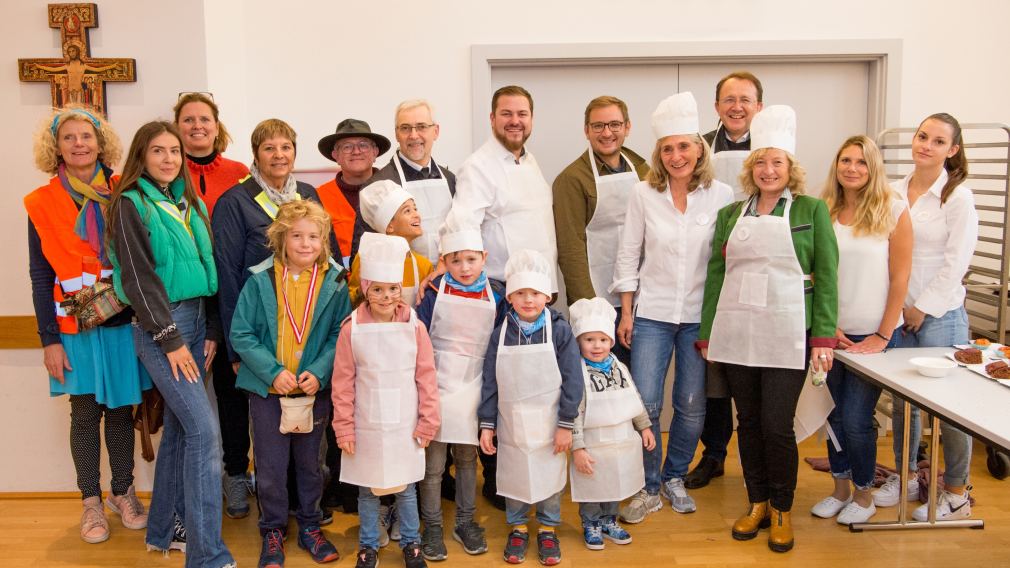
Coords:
pixel 606 452
pixel 533 381
pixel 285 327
pixel 385 399
pixel 388 209
pixel 460 311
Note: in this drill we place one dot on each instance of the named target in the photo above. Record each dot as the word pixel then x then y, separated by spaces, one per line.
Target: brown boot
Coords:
pixel 747 526
pixel 780 538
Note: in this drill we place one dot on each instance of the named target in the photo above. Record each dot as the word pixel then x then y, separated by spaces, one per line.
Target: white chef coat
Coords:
pixel 944 240
pixel 673 247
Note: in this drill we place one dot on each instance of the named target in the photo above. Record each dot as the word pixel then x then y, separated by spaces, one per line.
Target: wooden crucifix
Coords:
pixel 77 77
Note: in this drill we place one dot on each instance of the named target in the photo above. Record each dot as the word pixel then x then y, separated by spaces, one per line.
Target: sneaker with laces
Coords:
pixel 312 540
pixel 272 551
pixel 676 494
pixel 130 510
pixel 856 513
pixel 516 545
pixel 640 506
pixel 949 507
pixel 384 525
pixel 367 558
pixel 236 495
pixel 592 535
pixel 548 548
pixel 178 534
pixel 829 507
pixel 471 536
pixel 613 531
pixel 413 557
pixel 433 543
pixel 888 493
pixel 94 525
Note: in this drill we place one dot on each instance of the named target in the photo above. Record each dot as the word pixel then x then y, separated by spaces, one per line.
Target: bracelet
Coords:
pixel 881 336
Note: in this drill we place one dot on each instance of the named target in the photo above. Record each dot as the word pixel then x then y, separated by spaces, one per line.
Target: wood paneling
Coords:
pixel 19 332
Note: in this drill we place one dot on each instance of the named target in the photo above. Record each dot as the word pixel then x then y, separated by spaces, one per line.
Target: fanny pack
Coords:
pixel 296 414
pixel 93 305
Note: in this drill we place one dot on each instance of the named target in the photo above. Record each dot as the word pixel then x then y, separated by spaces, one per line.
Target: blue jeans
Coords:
pixel 368 515
pixel 595 512
pixel 947 330
pixel 652 344
pixel 187 477
pixel 852 422
pixel 548 511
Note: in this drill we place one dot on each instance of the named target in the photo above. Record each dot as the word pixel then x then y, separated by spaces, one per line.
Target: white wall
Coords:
pixel 315 63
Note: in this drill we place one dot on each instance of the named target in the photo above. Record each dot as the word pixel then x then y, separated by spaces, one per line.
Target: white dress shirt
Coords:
pixel 944 242
pixel 664 253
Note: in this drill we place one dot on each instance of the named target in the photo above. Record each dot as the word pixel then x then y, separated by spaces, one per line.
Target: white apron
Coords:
pixel 528 221
pixel 529 389
pixel 385 406
pixel 603 233
pixel 460 329
pixel 612 441
pixel 760 318
pixel 728 166
pixel 433 202
pixel 409 293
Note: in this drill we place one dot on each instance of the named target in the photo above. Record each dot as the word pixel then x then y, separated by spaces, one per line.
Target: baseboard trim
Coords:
pixel 11 495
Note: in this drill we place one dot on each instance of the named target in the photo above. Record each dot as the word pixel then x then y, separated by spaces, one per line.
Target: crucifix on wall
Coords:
pixel 77 77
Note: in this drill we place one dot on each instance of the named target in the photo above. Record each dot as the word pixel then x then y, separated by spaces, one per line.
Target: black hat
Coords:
pixel 348 128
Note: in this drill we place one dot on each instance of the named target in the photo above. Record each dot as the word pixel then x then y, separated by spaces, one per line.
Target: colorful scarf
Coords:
pixel 286 194
pixel 530 327
pixel 477 286
pixel 603 366
pixel 92 197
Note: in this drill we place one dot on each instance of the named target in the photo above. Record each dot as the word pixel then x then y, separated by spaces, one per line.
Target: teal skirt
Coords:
pixel 105 364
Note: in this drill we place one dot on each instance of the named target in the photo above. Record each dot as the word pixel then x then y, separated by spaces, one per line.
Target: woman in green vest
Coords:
pixel 160 247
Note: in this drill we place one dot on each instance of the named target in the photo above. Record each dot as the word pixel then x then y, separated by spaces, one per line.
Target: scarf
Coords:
pixel 603 366
pixel 477 286
pixel 287 194
pixel 530 327
pixel 92 197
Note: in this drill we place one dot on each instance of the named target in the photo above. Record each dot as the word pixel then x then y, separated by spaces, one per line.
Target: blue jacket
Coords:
pixel 254 328
pixel 427 306
pixel 569 362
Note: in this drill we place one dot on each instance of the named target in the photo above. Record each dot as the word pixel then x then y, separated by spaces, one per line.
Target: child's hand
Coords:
pixel 308 383
pixel 583 461
pixel 346 447
pixel 487 442
pixel 285 381
pixel 562 440
pixel 648 439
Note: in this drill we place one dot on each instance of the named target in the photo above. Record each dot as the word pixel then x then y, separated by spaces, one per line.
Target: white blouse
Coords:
pixel 664 253
pixel 864 276
pixel 944 242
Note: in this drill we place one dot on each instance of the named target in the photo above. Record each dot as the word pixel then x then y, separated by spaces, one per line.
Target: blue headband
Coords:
pixel 56 119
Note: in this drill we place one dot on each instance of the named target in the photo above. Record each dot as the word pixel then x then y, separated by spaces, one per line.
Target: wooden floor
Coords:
pixel 44 532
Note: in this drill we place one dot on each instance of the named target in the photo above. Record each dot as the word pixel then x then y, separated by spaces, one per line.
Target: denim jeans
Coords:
pixel 852 422
pixel 548 511
pixel 464 456
pixel 187 477
pixel 594 512
pixel 368 515
pixel 653 342
pixel 949 329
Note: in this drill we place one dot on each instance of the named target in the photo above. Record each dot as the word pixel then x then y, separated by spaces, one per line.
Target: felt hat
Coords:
pixel 351 127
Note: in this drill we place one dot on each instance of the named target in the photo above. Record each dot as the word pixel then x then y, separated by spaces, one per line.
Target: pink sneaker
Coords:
pixel 94 525
pixel 129 509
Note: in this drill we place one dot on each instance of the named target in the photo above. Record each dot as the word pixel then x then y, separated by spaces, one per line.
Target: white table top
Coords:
pixel 978 405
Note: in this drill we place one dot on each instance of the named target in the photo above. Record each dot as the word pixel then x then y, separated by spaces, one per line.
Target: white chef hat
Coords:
pixel 592 314
pixel 382 257
pixel 459 233
pixel 676 114
pixel 380 201
pixel 527 269
pixel 774 127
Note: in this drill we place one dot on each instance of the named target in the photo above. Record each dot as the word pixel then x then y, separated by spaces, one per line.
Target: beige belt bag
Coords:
pixel 296 414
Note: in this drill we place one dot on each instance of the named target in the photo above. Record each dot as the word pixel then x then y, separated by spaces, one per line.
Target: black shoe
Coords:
pixel 327 516
pixel 702 473
pixel 471 536
pixel 367 558
pixel 433 544
pixel 490 492
pixel 412 556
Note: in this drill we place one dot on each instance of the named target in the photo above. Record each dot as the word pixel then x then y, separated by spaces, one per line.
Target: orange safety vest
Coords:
pixel 341 213
pixel 53 212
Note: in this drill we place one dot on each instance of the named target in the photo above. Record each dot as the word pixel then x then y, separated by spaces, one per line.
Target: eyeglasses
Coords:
pixel 420 127
pixel 732 101
pixel 613 125
pixel 349 147
pixel 207 94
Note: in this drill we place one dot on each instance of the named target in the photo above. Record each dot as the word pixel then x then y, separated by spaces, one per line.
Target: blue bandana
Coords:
pixel 530 327
pixel 477 286
pixel 603 366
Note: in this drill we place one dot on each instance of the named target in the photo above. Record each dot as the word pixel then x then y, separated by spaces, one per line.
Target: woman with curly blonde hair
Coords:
pixel 92 361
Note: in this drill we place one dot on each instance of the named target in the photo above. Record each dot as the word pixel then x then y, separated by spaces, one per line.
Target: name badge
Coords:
pixel 743 233
pixel 702 219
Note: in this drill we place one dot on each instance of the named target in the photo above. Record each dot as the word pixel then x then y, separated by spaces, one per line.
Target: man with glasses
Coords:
pixel 412 167
pixel 590 200
pixel 354 147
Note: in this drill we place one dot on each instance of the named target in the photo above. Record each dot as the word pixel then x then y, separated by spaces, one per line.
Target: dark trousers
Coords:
pixel 766 404
pixel 273 451
pixel 233 412
pixel 718 428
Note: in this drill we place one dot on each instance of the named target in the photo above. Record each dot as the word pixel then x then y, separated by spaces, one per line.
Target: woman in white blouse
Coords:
pixel 661 268
pixel 945 228
pixel 874 235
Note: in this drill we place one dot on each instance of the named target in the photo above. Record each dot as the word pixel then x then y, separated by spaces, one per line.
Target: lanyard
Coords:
pixel 299 332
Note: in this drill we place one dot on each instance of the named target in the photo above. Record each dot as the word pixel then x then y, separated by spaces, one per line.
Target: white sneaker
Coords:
pixel 640 506
pixel 675 492
pixel 887 495
pixel 829 507
pixel 949 507
pixel 856 513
